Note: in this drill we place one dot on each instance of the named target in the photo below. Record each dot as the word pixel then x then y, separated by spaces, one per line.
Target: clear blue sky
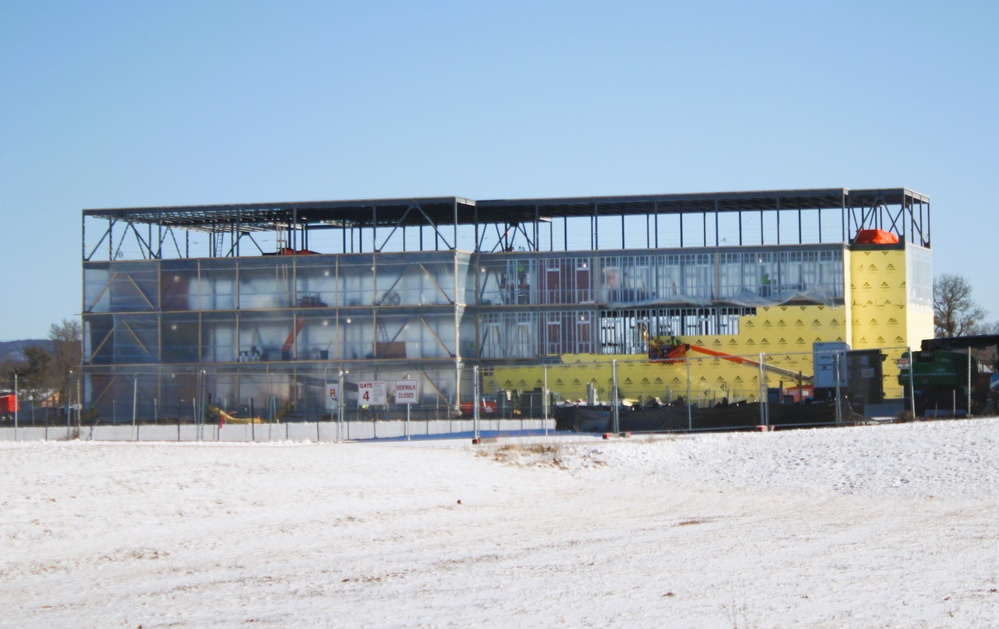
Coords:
pixel 123 104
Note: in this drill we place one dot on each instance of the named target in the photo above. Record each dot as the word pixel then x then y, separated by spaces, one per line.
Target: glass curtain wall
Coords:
pixel 276 308
pixel 614 303
pixel 738 275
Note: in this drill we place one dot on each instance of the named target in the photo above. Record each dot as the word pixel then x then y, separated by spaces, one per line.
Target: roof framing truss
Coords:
pixel 500 224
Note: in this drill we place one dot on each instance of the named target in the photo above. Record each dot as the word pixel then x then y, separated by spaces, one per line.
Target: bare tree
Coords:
pixel 66 354
pixel 8 367
pixel 33 374
pixel 989 328
pixel 955 313
pixel 990 355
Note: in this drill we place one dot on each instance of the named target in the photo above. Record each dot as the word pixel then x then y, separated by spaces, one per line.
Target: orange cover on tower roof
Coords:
pixel 875 237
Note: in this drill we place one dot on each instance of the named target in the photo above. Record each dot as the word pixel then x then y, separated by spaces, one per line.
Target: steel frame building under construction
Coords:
pixel 260 298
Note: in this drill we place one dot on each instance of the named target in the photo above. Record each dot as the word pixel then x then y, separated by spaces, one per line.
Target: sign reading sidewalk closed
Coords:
pixel 371 393
pixel 407 391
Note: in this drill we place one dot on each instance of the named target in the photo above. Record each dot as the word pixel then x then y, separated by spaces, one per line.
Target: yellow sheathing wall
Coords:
pixel 882 316
pixel 783 333
pixel 878 299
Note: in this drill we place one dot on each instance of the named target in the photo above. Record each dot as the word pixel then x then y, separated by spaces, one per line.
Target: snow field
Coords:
pixel 873 526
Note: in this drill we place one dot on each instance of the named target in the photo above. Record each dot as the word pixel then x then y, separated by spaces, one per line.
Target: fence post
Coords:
pixel 198 408
pixel 79 403
pixel 409 431
pixel 690 416
pixel 614 397
pixel 912 389
pixel 544 402
pixel 326 396
pixel 204 401
pixel 969 383
pixel 270 403
pixel 475 401
pixel 69 403
pixel 135 405
pixel 762 391
pixel 839 402
pixel 339 408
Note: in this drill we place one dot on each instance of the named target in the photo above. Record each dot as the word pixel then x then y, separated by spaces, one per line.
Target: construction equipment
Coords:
pixel 230 418
pixel 290 341
pixel 671 350
pixel 938 380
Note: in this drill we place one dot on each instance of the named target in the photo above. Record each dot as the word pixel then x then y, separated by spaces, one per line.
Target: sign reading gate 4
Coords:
pixel 371 392
pixel 407 391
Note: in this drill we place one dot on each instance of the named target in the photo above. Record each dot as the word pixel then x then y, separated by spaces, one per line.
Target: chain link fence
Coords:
pixel 696 392
pixel 700 390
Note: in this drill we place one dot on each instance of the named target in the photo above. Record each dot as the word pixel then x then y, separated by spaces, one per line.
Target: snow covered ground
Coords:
pixel 855 527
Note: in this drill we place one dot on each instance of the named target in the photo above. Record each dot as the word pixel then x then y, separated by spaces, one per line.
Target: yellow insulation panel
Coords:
pixel 881 316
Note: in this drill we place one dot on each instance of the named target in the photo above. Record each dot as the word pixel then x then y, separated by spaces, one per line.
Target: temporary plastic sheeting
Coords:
pixel 875 237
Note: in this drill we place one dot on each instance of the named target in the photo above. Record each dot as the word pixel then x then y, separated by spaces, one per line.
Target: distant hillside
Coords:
pixel 14 350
